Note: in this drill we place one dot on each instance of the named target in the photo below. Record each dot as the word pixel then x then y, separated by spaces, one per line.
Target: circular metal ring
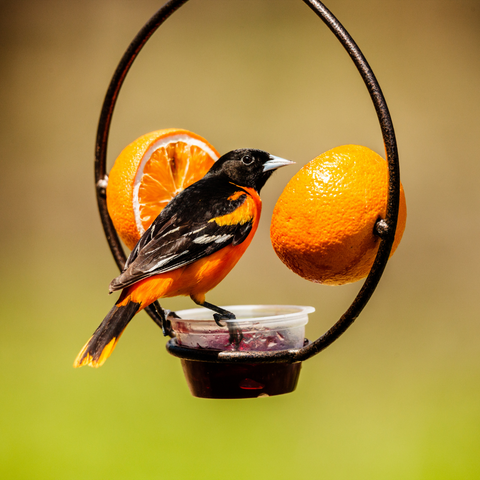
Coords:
pixel 385 228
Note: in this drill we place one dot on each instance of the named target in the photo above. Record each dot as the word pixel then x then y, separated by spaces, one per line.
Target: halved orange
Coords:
pixel 149 172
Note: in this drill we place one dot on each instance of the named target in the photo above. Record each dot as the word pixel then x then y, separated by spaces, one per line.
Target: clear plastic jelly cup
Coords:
pixel 264 328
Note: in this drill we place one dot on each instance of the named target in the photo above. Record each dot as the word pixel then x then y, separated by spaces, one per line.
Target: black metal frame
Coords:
pixel 385 228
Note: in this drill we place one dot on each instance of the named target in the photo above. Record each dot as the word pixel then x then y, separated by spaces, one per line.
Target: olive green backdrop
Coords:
pixel 397 397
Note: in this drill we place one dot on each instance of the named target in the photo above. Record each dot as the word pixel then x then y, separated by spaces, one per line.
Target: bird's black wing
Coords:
pixel 199 221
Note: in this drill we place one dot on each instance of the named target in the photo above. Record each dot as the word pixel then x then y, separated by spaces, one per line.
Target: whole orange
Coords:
pixel 323 223
pixel 149 172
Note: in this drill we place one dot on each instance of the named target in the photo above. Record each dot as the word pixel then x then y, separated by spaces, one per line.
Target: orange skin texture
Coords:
pixel 323 223
pixel 203 275
pixel 121 180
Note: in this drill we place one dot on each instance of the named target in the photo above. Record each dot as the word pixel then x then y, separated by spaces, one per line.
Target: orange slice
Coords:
pixel 149 172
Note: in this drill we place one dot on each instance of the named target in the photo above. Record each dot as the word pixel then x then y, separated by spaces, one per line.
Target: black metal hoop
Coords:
pixel 385 228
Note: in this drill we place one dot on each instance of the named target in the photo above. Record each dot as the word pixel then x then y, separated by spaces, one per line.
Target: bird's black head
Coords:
pixel 247 167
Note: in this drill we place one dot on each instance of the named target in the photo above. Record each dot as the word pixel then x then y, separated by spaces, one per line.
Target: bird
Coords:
pixel 190 247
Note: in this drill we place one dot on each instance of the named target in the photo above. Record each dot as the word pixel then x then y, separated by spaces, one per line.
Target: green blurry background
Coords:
pixel 397 397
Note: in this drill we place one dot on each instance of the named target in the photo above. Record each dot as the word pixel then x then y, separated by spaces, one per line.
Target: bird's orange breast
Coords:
pixel 201 276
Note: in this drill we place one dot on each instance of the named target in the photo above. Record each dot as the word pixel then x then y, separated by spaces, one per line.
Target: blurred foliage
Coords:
pixel 397 397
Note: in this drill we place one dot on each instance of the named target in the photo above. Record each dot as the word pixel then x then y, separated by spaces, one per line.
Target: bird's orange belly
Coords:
pixel 195 279
pixel 199 277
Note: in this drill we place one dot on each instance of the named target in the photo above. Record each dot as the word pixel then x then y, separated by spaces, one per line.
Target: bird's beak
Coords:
pixel 275 162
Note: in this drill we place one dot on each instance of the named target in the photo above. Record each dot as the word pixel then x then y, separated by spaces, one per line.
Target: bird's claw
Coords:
pixel 167 329
pixel 222 316
pixel 167 324
pixel 170 313
pixel 236 335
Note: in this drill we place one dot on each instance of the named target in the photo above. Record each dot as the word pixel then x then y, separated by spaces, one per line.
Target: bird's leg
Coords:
pixel 236 335
pixel 160 319
pixel 234 330
pixel 221 314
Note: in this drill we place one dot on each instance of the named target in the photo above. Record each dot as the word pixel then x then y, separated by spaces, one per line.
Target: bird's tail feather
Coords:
pixel 101 344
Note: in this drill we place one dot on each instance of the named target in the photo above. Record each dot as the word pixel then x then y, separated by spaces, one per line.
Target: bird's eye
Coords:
pixel 247 160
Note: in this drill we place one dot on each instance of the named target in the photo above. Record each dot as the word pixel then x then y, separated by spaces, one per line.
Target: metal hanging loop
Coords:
pixel 385 228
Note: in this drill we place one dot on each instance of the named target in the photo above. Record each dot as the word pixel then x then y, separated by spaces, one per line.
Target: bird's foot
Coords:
pixel 160 317
pixel 167 324
pixel 236 335
pixel 218 317
pixel 171 313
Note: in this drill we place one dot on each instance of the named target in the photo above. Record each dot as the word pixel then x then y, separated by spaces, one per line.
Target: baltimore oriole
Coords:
pixel 190 247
